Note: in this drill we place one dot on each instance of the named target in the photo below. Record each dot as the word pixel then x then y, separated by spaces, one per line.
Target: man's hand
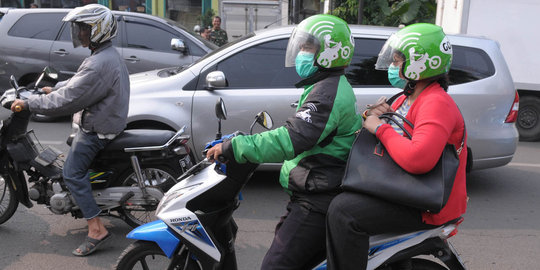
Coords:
pixel 17 105
pixel 214 152
pixel 46 89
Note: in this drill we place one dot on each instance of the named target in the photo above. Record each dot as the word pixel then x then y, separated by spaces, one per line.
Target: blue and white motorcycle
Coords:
pixel 196 229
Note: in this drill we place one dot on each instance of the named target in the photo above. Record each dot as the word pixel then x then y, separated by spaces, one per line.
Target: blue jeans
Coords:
pixel 84 148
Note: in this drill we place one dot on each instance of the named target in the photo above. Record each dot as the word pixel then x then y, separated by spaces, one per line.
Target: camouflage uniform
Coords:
pixel 219 37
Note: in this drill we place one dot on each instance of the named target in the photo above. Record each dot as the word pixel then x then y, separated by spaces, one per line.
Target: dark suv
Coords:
pixel 35 38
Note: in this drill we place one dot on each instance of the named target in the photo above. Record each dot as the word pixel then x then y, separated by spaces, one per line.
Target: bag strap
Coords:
pixel 389 117
pixel 391 100
pixel 394 97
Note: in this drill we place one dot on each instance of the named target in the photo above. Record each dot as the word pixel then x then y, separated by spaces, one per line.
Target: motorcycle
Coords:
pixel 129 176
pixel 195 228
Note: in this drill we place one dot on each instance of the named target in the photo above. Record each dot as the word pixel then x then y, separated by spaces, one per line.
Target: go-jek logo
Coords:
pixel 321 28
pixel 408 40
pixel 445 46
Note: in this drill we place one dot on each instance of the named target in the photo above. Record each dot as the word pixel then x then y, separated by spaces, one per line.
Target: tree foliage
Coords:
pixel 387 12
pixel 206 19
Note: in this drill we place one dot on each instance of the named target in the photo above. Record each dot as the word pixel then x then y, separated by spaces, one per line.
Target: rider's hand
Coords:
pixel 214 152
pixel 371 123
pixel 17 105
pixel 379 110
pixel 46 89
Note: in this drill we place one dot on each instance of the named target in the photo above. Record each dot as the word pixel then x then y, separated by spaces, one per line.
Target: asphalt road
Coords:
pixel 501 228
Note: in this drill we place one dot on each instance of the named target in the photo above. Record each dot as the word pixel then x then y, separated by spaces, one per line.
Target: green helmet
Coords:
pixel 328 36
pixel 424 48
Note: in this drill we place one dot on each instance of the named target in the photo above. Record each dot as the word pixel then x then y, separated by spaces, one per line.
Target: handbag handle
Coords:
pixel 389 117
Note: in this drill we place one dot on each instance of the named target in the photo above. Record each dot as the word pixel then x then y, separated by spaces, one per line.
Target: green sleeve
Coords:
pixel 270 146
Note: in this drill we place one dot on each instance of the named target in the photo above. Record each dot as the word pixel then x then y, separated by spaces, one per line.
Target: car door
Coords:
pixel 257 81
pixel 148 45
pixel 65 58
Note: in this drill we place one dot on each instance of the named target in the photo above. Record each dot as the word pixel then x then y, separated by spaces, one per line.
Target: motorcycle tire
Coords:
pixel 148 255
pixel 8 201
pixel 162 177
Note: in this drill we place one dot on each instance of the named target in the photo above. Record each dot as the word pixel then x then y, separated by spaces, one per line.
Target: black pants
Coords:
pixel 300 239
pixel 353 217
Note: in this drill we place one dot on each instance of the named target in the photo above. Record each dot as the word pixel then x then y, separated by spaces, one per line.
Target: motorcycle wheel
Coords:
pixel 8 201
pixel 148 255
pixel 158 176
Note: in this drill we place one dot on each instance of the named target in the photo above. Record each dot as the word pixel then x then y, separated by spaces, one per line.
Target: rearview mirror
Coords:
pixel 178 45
pixel 51 73
pixel 221 114
pixel 221 111
pixel 216 79
pixel 264 119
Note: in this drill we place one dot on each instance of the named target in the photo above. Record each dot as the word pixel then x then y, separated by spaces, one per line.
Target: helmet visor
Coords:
pixel 389 55
pixel 75 30
pixel 300 41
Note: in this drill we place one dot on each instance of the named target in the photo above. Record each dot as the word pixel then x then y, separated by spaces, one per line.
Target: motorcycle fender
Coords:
pixel 158 232
pixel 18 182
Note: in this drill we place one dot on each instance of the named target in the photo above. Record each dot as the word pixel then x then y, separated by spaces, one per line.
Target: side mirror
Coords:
pixel 178 45
pixel 216 79
pixel 221 111
pixel 264 119
pixel 13 82
pixel 51 73
pixel 221 114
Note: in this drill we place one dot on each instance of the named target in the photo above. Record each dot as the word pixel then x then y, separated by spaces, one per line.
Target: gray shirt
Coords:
pixel 98 93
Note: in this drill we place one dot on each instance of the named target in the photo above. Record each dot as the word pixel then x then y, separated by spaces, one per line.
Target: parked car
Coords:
pixel 37 37
pixel 249 74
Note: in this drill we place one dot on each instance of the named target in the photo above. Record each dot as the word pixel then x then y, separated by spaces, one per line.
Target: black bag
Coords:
pixel 371 170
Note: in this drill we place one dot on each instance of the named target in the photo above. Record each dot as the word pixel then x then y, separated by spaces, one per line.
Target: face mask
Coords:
pixel 304 64
pixel 393 77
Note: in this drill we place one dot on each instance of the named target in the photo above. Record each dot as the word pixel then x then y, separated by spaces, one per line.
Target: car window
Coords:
pixel 361 71
pixel 37 26
pixel 66 35
pixel 148 35
pixel 469 64
pixel 261 66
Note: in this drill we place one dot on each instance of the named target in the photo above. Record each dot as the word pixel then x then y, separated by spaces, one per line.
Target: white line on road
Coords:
pixel 524 164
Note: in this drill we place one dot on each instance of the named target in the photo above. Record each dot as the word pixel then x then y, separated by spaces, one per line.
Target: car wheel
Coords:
pixel 528 122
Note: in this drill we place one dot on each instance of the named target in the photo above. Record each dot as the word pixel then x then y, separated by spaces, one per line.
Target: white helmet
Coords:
pixel 98 17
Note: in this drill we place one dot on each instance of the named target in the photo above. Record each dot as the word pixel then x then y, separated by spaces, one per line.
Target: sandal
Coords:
pixel 90 245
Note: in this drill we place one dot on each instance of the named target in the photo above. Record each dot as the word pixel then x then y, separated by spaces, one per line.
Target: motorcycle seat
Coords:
pixel 139 138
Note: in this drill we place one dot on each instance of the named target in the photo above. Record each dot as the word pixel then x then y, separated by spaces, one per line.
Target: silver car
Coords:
pixel 249 74
pixel 34 38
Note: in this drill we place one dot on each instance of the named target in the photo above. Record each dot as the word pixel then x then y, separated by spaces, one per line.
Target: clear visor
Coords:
pixel 389 55
pixel 75 30
pixel 300 41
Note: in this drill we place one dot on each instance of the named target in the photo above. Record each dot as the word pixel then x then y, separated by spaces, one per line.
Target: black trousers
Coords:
pixel 353 217
pixel 300 238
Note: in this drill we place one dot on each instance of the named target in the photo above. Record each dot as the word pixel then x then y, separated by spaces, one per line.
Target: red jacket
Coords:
pixel 437 121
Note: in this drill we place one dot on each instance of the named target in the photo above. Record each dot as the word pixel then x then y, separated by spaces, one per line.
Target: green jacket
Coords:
pixel 314 144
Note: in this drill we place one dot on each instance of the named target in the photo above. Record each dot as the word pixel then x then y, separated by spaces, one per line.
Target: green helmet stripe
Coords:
pixel 318 31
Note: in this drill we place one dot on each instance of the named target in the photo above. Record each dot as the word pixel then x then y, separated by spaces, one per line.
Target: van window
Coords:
pixel 37 26
pixel 469 64
pixel 361 71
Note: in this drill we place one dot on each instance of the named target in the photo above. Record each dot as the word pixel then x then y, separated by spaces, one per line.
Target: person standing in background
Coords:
pixel 218 36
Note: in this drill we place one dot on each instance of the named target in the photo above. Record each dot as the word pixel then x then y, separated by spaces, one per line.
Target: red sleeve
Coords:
pixel 434 119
